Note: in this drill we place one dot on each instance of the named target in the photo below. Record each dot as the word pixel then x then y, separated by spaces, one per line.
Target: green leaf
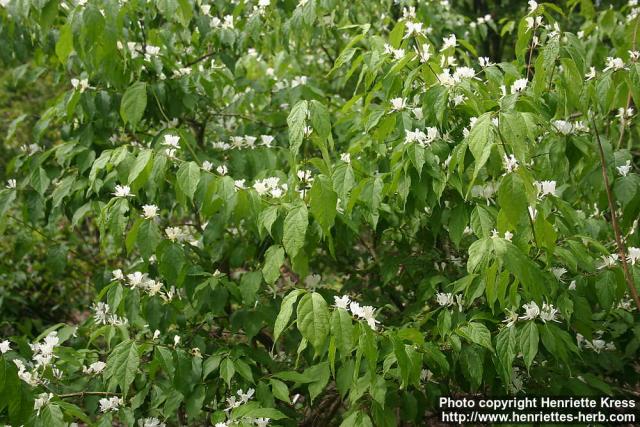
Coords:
pixel 506 350
pixel 273 260
pixel 280 390
pixel 122 365
pixel 297 122
pixel 295 228
pixel 188 177
pixel 64 45
pixel 286 309
pixel 342 330
pixel 320 119
pixel 313 319
pixel 481 140
pixel 40 181
pixel 227 370
pixel 134 102
pixel 322 201
pixel 529 339
pixel 142 164
pixel 477 333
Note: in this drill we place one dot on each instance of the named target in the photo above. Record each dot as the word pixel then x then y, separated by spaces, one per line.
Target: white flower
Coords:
pixel 484 61
pixel 172 141
pixel 94 368
pixel 558 272
pixel 261 422
pixel 222 170
pixel 572 285
pixel 80 85
pixel 267 140
pixel 245 397
pixel 608 261
pixel 151 422
pixel 510 163
pixel 41 401
pixel 11 184
pixel 591 74
pixel 239 184
pixel 412 28
pixel 563 126
pixel 122 191
pixel 448 42
pixel 342 302
pixel 117 274
pixel 398 104
pixel 519 85
pixel 150 211
pixel 223 424
pixel 531 311
pixel 463 73
pixel 532 23
pixel 545 188
pixel 511 319
pixel 136 278
pixel 5 346
pixel 206 9
pixel 368 315
pixel 634 255
pixel 4 3
pixel 424 53
pixel 418 113
pixel 548 313
pixel 614 64
pixel 207 165
pixel 445 299
pixel 156 334
pixel 101 313
pixel 533 5
pixel 345 157
pixel 110 404
pixel 176 339
pixel 634 55
pixel 508 235
pixel 355 309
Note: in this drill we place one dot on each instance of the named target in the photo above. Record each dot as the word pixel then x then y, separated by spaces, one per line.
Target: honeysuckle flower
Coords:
pixel 398 104
pixel 122 191
pixel 572 285
pixel 136 278
pixel 531 311
pixel 267 140
pixel 207 165
pixel 624 169
pixel 445 299
pixel 608 261
pixel 398 54
pixel 41 401
pixel 591 74
pixel 545 188
pixel 448 42
pixel 11 184
pixel 94 368
pixel 634 55
pixel 171 141
pixel 176 339
pixel 614 64
pixel 533 23
pixel 245 397
pixel 519 85
pixel 508 235
pixel 533 5
pixel 342 302
pixel 345 157
pixel 580 126
pixel 80 84
pixel 5 346
pixel 424 52
pixel 110 404
pixel 117 274
pixel 368 314
pixel 151 422
pixel 412 28
pixel 562 126
pixel 484 61
pixel 222 170
pixel 511 318
pixel 261 422
pixel 510 163
pixel 634 255
pixel 548 313
pixel 239 184
pixel 222 424
pixel 149 211
pixel 558 272
pixel 156 334
pixel 624 113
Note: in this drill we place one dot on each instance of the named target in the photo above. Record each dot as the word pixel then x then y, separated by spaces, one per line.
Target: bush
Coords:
pixel 315 212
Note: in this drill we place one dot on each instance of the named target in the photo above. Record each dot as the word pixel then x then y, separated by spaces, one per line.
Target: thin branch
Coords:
pixel 202 58
pixel 88 393
pixel 622 252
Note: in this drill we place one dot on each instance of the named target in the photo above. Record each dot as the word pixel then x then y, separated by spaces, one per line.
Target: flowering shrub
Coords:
pixel 319 212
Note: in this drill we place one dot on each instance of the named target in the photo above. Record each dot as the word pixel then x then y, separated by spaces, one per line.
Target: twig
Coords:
pixel 88 393
pixel 622 252
pixel 533 38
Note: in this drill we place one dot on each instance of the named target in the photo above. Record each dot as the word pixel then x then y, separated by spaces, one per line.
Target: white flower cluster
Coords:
pixel 122 191
pixel 112 404
pixel 43 352
pixel 422 138
pixel 5 346
pixel 149 211
pixel 507 234
pixel 460 74
pixel 103 316
pixel 172 142
pixel 633 255
pixel 448 299
pixel 142 281
pixel 567 128
pixel 597 344
pixel 226 23
pixel 235 402
pixel 486 191
pixel 270 186
pixel 41 401
pixel 510 163
pixel 608 261
pixel 150 422
pixel 80 84
pixel 135 49
pixel 42 357
pixel 246 141
pixel 366 313
pixel 396 53
pixel 94 368
pixel 548 313
pixel 545 188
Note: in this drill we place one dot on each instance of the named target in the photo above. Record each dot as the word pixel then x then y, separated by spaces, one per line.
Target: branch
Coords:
pixel 88 393
pixel 202 58
pixel 622 252
pixel 623 123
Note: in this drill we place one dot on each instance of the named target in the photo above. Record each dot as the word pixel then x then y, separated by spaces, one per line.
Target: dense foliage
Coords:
pixel 314 212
